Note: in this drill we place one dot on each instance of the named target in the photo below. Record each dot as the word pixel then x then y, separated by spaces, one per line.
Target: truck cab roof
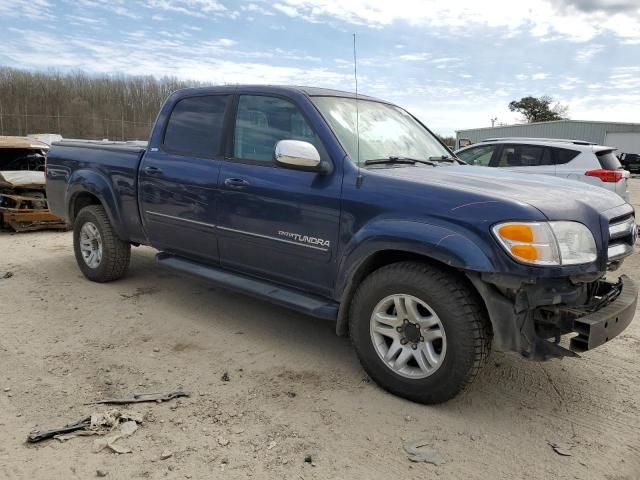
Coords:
pixel 277 89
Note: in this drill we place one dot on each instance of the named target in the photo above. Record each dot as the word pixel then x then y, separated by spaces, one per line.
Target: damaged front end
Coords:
pixel 23 203
pixel 530 317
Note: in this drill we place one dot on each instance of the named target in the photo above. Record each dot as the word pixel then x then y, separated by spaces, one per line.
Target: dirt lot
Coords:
pixel 294 388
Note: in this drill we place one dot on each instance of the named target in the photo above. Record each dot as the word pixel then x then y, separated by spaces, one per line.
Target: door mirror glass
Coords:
pixel 297 154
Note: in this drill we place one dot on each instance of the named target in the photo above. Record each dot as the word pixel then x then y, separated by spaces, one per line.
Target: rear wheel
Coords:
pixel 101 255
pixel 420 332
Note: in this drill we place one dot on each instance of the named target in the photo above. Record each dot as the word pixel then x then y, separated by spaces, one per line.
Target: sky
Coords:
pixel 455 64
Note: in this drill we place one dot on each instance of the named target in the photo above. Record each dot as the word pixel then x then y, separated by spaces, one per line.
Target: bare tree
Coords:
pixel 77 105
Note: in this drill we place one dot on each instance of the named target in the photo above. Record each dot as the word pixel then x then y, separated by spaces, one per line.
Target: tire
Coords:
pixel 449 313
pixel 113 261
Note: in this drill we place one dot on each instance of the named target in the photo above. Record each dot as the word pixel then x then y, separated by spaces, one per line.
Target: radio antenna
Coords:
pixel 355 77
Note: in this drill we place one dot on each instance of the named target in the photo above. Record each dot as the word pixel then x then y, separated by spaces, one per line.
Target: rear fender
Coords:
pixel 88 181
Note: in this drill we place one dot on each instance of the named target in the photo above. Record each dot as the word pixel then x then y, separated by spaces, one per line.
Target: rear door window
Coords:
pixel 195 126
pixel 608 160
pixel 480 155
pixel 525 156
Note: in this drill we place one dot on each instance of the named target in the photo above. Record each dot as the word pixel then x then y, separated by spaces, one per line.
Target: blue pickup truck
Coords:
pixel 349 209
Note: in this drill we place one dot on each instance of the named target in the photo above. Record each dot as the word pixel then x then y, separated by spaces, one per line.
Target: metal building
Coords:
pixel 623 136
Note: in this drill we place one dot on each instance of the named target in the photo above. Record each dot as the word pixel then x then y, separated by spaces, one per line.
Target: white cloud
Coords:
pixel 541 18
pixel 195 8
pixel 32 9
pixel 255 8
pixel 414 57
pixel 205 61
pixel 287 10
pixel 586 54
pixel 445 60
pixel 539 76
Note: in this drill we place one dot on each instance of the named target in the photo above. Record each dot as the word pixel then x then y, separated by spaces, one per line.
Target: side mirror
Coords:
pixel 299 155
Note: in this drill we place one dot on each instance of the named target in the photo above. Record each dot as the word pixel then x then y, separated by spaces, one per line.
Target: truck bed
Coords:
pixel 112 165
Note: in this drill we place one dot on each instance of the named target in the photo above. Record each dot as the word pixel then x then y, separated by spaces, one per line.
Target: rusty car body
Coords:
pixel 23 203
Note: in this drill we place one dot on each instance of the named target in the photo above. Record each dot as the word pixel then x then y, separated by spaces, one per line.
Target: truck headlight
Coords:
pixel 547 243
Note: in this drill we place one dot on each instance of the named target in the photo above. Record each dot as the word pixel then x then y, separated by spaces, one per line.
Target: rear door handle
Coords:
pixel 152 171
pixel 236 183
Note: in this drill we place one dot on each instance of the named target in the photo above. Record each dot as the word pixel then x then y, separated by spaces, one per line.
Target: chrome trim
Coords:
pixel 195 222
pixel 297 153
pixel 621 229
pixel 618 212
pixel 619 250
pixel 269 237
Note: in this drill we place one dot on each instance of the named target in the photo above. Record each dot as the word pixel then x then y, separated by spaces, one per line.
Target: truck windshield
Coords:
pixel 385 130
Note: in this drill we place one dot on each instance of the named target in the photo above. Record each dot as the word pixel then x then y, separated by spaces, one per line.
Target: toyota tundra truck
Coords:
pixel 348 208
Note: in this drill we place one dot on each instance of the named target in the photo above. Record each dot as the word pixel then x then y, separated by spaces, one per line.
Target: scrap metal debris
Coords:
pixel 125 430
pixel 416 452
pixel 6 274
pixel 143 397
pixel 23 203
pixel 563 449
pixel 114 422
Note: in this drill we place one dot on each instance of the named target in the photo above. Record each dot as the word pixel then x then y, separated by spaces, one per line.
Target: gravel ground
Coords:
pixel 294 389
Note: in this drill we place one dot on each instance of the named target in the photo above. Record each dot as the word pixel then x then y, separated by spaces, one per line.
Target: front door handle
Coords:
pixel 236 183
pixel 152 171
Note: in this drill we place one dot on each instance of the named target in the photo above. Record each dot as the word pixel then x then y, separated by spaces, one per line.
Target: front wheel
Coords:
pixel 101 255
pixel 420 332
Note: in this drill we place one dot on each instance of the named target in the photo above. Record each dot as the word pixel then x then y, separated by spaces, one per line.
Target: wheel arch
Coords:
pixel 89 188
pixel 458 256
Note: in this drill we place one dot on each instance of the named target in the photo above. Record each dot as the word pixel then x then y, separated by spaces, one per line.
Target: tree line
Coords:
pixel 77 105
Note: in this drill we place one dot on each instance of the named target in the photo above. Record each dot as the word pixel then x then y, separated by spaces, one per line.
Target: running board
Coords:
pixel 286 297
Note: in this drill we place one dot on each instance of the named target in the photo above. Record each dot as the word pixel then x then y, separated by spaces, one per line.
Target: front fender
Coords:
pixel 89 181
pixel 432 241
pixel 439 243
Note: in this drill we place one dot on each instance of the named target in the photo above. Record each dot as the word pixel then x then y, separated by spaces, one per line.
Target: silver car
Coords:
pixel 572 159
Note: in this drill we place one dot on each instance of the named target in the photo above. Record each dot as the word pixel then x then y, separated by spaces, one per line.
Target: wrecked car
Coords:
pixel 349 209
pixel 23 203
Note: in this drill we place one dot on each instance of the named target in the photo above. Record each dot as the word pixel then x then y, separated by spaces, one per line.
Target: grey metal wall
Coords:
pixel 573 129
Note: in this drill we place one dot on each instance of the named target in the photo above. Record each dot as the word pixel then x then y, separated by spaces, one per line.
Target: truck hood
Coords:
pixel 552 196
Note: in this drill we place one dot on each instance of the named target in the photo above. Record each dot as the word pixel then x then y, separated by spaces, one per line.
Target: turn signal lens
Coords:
pixel 525 252
pixel 516 232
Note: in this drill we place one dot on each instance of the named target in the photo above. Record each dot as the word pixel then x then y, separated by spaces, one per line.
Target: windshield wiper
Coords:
pixel 399 161
pixel 443 158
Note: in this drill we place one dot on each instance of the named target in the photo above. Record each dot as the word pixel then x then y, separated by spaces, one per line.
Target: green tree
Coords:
pixel 536 109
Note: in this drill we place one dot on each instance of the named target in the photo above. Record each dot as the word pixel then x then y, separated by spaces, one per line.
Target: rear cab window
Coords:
pixel 195 126
pixel 608 160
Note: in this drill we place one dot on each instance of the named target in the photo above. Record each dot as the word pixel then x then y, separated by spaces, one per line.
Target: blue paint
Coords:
pixel 185 207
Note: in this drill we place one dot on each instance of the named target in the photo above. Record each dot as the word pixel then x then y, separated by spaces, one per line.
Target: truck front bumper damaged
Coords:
pixel 530 317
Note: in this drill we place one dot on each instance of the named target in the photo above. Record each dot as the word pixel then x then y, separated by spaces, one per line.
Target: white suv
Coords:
pixel 573 159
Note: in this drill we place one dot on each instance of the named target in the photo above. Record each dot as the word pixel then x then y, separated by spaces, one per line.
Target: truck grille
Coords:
pixel 623 233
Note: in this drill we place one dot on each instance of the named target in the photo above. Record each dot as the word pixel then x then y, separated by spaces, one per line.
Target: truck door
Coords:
pixel 274 222
pixel 178 180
